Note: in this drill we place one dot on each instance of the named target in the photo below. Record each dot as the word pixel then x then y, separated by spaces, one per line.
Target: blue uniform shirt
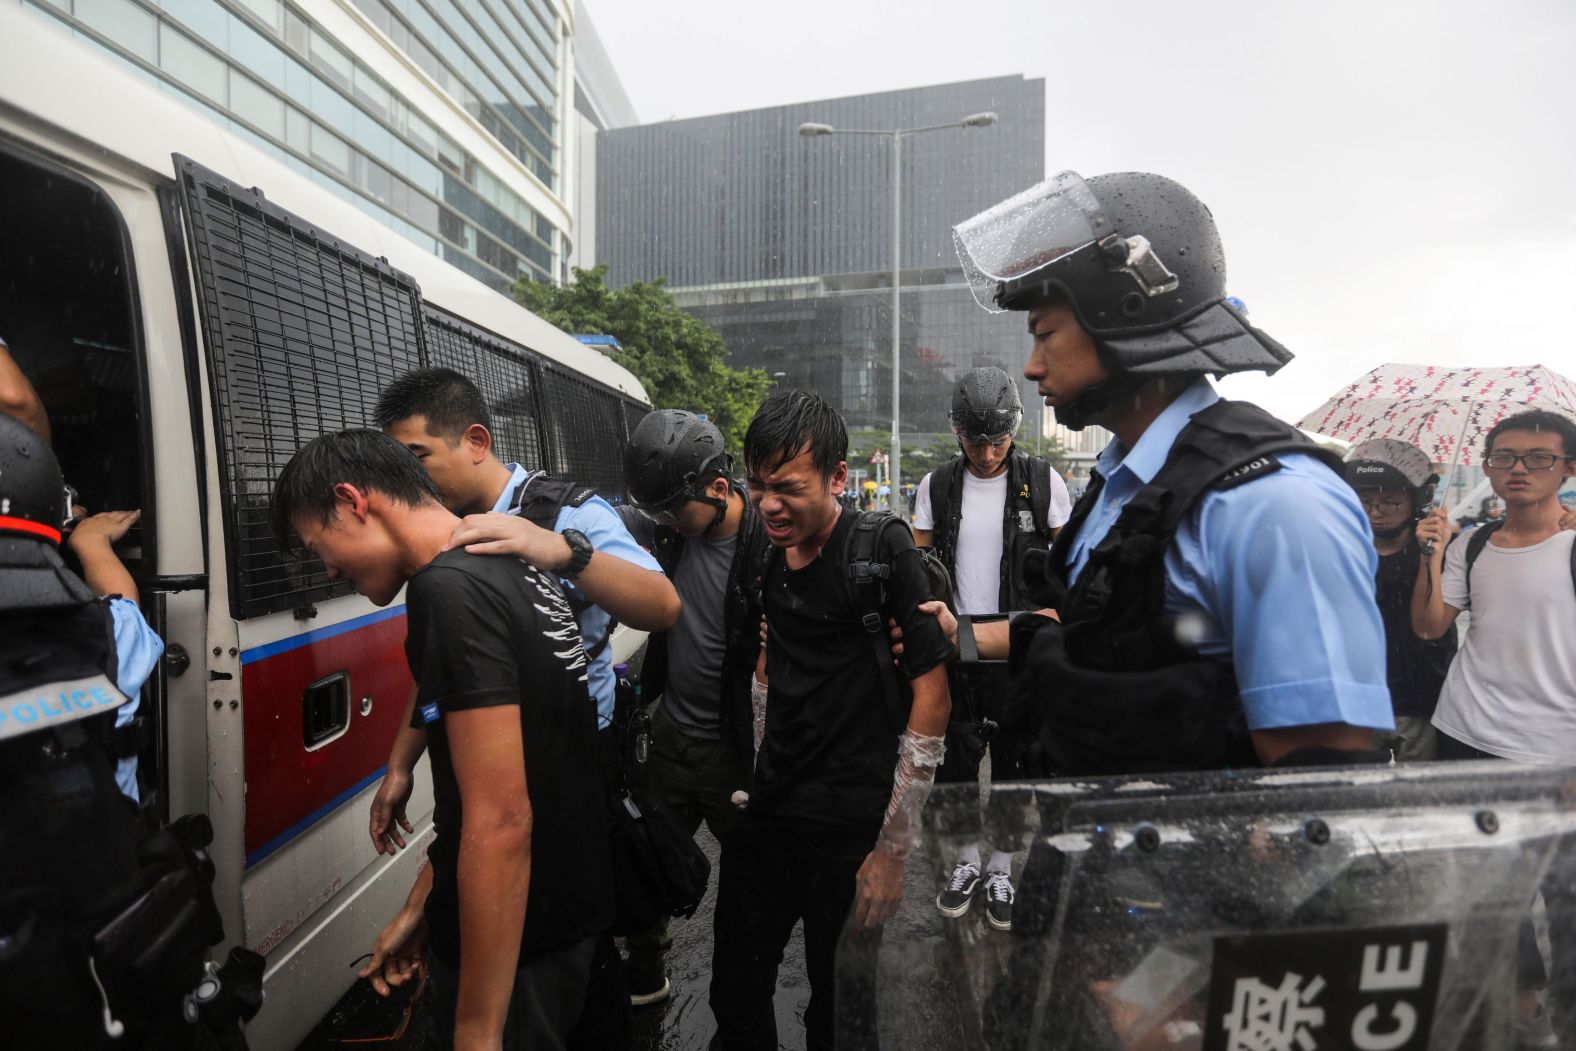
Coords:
pixel 137 652
pixel 1277 575
pixel 602 526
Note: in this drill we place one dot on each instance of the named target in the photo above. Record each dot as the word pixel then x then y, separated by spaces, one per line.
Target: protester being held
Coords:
pixel 1395 483
pixel 18 399
pixel 982 511
pixel 850 746
pixel 1509 691
pixel 442 418
pixel 517 895
pixel 1215 582
pixel 703 530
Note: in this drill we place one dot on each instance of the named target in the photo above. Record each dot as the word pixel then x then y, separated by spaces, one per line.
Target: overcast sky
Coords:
pixel 1392 181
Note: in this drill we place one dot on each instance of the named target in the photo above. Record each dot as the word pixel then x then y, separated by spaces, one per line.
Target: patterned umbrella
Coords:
pixel 1446 412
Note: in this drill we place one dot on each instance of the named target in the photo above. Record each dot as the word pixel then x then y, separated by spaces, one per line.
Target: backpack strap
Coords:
pixel 1476 542
pixel 1040 495
pixel 867 567
pixel 945 518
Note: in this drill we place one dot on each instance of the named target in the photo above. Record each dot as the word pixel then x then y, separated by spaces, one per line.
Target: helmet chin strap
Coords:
pixel 1096 398
pixel 722 510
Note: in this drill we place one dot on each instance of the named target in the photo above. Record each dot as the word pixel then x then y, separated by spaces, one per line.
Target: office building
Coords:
pixel 452 121
pixel 784 243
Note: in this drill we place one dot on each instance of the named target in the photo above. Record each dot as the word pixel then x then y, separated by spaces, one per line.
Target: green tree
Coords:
pixel 682 363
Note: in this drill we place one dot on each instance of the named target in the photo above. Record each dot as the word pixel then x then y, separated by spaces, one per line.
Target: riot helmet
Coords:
pixel 33 506
pixel 985 405
pixel 671 458
pixel 1389 465
pixel 1138 260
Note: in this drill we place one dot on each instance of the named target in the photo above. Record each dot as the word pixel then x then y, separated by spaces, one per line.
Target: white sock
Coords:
pixel 970 856
pixel 1000 861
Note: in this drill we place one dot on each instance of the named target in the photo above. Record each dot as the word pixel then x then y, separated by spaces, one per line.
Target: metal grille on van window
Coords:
pixel 505 372
pixel 301 332
pixel 585 431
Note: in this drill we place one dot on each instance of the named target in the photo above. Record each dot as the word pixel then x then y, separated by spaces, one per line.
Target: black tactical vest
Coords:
pixel 1025 523
pixel 1113 688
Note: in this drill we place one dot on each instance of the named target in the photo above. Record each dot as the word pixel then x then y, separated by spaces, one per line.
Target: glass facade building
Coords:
pixel 441 118
pixel 783 244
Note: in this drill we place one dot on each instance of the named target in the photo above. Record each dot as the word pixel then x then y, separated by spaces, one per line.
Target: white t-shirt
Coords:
pixel 1511 690
pixel 976 578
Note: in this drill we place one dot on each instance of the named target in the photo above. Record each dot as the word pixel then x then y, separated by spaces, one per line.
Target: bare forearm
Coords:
pixel 642 598
pixel 409 742
pixel 103 570
pixel 1431 618
pixel 494 878
pixel 932 705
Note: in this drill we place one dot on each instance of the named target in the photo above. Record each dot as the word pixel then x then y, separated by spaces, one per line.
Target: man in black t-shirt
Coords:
pixel 1395 483
pixel 841 775
pixel 518 895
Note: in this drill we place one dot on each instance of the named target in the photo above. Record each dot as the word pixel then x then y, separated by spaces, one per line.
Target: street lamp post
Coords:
pixel 812 130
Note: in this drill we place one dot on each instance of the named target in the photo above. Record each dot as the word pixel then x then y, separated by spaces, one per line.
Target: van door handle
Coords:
pixel 176 659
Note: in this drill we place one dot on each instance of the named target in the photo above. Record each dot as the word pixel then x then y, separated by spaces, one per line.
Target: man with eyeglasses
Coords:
pixel 1395 483
pixel 706 536
pixel 982 511
pixel 1509 693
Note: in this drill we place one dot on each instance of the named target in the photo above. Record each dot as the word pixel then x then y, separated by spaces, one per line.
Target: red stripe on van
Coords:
pixel 285 783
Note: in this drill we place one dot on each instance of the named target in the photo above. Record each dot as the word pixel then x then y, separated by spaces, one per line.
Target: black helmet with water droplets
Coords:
pixel 985 405
pixel 671 456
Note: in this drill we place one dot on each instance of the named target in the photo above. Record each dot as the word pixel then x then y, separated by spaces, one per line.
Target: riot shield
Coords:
pixel 1398 908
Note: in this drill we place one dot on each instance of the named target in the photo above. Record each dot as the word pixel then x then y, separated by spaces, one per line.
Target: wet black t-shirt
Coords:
pixel 825 765
pixel 488 630
pixel 1416 666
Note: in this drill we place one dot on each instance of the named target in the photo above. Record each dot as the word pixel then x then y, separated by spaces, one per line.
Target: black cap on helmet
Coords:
pixel 985 404
pixel 32 508
pixel 1148 284
pixel 670 458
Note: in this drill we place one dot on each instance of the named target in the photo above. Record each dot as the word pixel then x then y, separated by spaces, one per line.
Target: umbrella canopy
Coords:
pixel 1446 412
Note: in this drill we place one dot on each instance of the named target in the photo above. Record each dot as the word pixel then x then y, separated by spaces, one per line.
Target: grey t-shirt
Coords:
pixel 696 644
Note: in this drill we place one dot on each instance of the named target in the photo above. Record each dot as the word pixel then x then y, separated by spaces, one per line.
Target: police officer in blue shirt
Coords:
pixel 1215 583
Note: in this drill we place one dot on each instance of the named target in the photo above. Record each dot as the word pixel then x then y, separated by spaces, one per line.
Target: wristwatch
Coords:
pixel 580 550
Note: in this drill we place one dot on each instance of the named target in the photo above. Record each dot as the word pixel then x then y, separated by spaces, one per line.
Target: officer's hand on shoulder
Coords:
pixel 500 534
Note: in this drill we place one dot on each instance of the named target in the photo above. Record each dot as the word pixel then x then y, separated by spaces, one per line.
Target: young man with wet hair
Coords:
pixel 1510 690
pixel 442 418
pixel 841 776
pixel 1395 483
pixel 518 892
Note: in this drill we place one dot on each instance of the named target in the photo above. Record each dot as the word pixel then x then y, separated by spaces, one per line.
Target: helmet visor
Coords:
pixel 1026 233
pixel 986 428
pixel 664 511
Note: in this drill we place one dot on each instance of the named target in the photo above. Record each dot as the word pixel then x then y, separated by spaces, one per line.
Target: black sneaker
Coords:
pixel 958 895
pixel 998 900
pixel 648 980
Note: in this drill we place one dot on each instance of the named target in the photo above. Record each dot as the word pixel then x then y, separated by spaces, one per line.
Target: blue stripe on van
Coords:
pixel 257 653
pixel 311 819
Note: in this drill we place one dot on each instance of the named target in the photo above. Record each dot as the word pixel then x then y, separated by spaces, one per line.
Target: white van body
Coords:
pixel 265 310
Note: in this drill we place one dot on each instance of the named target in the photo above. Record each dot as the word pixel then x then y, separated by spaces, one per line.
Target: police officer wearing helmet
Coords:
pixel 983 511
pixel 705 534
pixel 1395 482
pixel 102 928
pixel 1215 582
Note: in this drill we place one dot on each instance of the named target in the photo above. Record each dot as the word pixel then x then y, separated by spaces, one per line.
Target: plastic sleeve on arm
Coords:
pixel 917 759
pixel 758 709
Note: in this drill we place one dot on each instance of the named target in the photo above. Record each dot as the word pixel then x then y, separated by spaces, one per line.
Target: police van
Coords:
pixel 192 312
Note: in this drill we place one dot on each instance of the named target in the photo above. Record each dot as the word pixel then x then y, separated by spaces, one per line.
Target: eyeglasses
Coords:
pixel 1385 505
pixel 1533 461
